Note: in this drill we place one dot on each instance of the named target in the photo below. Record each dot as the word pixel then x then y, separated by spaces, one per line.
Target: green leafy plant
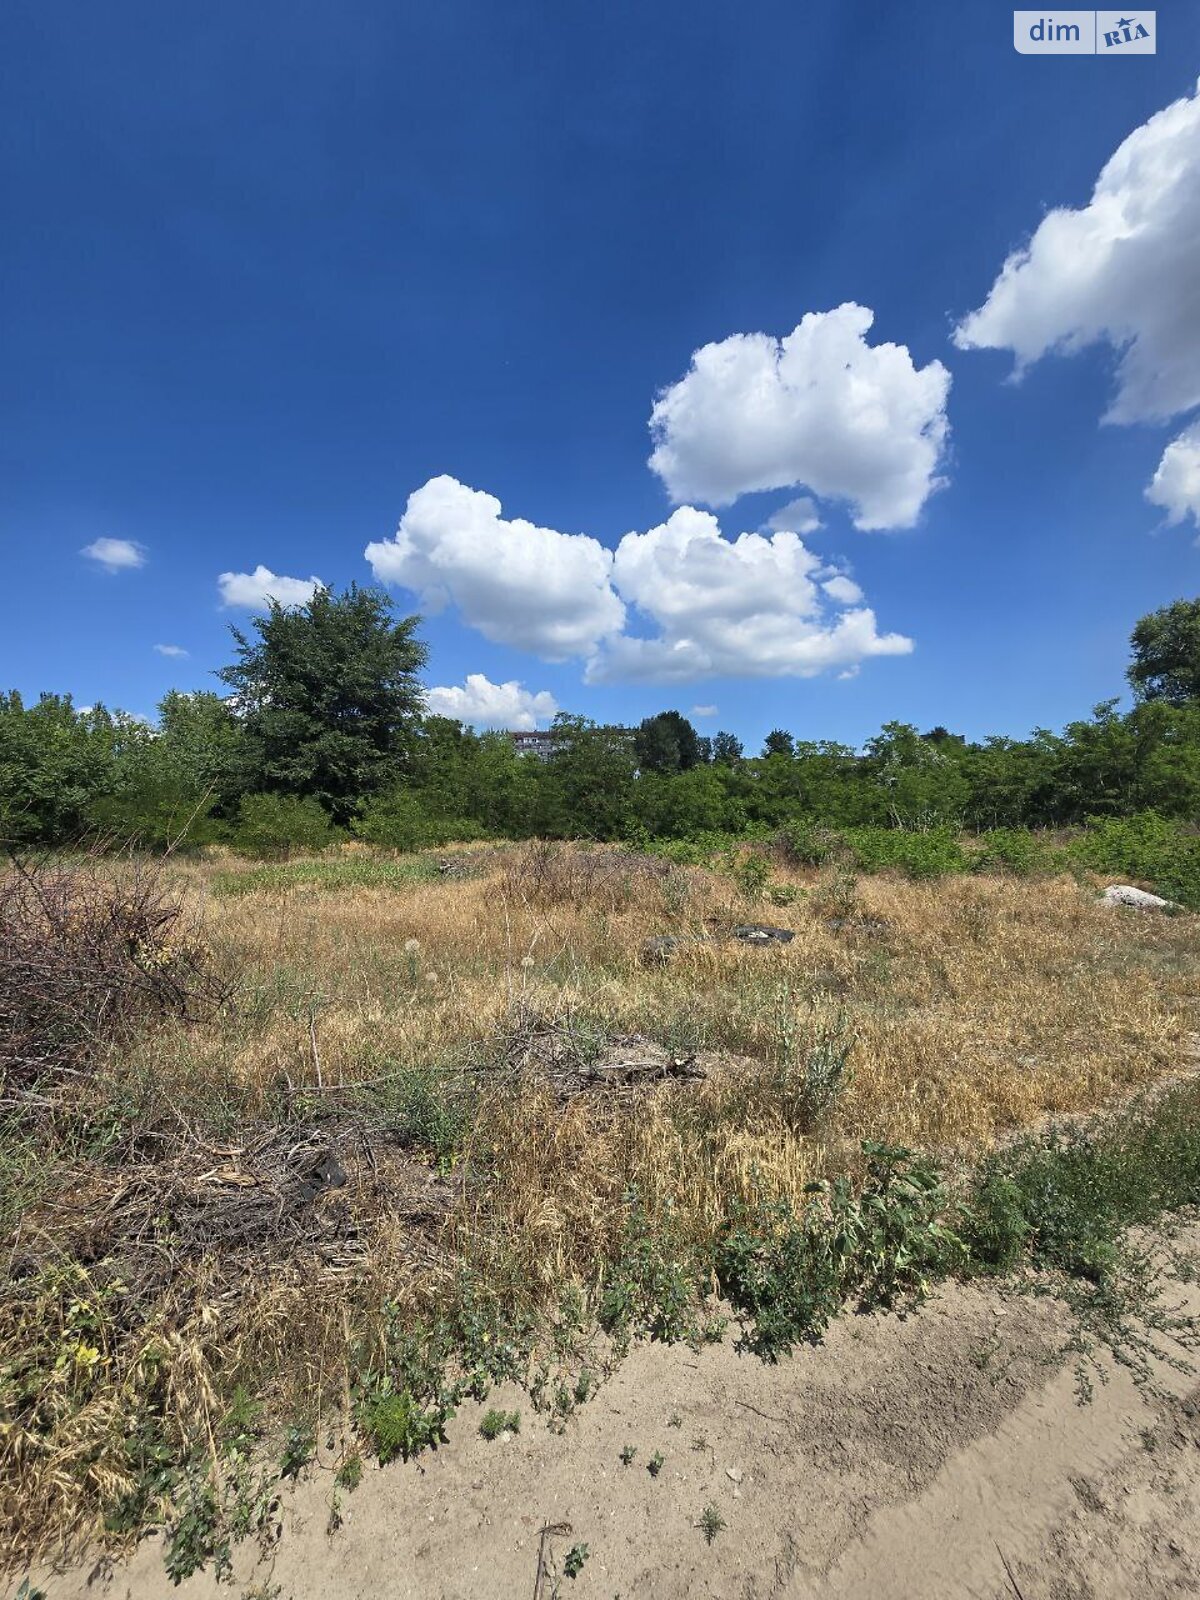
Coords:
pixel 497 1422
pixel 711 1523
pixel 573 1561
pixel 194 1532
pixel 299 1444
pixel 752 873
pixel 651 1288
pixel 400 1426
pixel 789 1274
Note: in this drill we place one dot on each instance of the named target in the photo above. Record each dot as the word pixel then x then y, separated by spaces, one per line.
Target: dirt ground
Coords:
pixel 945 1454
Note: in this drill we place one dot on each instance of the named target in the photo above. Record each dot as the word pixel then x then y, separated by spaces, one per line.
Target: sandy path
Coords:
pixel 898 1459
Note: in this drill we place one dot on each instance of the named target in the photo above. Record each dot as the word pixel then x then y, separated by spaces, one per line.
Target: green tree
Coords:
pixel 666 743
pixel 329 698
pixel 922 782
pixel 54 762
pixel 169 780
pixel 1166 654
pixel 681 805
pixel 727 749
pixel 277 824
pixel 586 788
pixel 778 742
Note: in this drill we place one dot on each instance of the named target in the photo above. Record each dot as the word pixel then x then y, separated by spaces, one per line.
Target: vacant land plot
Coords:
pixel 443 1125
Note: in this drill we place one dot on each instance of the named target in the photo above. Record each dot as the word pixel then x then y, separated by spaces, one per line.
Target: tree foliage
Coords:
pixel 1166 654
pixel 324 735
pixel 328 695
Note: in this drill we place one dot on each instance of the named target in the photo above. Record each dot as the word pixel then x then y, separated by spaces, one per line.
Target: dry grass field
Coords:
pixel 455 1088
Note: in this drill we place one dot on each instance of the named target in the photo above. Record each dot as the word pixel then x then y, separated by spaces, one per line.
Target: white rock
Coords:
pixel 1123 894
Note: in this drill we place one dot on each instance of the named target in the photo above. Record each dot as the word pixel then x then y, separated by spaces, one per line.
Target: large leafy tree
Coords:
pixel 168 780
pixel 1166 654
pixel 779 742
pixel 586 788
pixel 53 761
pixel 329 697
pixel 667 743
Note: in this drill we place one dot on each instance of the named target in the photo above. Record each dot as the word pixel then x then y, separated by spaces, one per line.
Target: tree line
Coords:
pixel 321 733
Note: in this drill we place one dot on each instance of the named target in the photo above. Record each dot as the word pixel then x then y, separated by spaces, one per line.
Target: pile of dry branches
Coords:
pixel 543 874
pixel 90 950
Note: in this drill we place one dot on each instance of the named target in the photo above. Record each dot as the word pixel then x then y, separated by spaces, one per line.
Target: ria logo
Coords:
pixel 1084 33
pixel 1128 30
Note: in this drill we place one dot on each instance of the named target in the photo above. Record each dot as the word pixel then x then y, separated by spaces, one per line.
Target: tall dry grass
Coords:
pixel 409 1025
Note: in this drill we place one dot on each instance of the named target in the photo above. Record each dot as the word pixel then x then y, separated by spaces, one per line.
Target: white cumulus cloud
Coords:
pixel 1123 269
pixel 176 650
pixel 252 591
pixel 842 589
pixel 747 607
pixel 820 408
pixel 704 711
pixel 115 555
pixel 1176 484
pixel 484 704
pixel 518 584
pixel 798 516
pixel 760 605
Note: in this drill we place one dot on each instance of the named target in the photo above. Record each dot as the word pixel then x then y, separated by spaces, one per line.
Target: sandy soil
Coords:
pixel 941 1455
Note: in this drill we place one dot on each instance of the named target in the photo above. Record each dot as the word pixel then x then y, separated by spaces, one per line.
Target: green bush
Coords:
pixel 1145 846
pixel 651 1288
pixel 806 843
pixel 1016 851
pixel 1066 1197
pixel 277 824
pixel 400 820
pixel 789 1275
pixel 922 856
pixel 428 1110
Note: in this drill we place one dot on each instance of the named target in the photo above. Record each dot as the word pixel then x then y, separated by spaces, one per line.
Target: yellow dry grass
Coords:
pixel 970 1007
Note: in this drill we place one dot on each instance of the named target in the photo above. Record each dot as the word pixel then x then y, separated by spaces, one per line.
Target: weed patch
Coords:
pixel 329 873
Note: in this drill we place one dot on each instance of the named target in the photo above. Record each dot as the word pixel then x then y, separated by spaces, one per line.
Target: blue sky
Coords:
pixel 269 271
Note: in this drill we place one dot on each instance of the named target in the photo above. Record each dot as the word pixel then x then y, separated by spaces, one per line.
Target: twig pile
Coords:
pixel 90 949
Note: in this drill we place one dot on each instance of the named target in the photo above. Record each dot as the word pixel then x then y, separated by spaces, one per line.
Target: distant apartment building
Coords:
pixel 543 745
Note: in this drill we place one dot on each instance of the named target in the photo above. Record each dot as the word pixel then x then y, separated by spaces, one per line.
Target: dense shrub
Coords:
pixel 805 842
pixel 1147 847
pixel 1016 851
pixel 931 854
pixel 277 824
pixel 400 820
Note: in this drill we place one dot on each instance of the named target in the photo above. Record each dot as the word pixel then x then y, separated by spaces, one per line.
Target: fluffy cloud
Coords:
pixel 492 705
pixel 115 555
pixel 1122 269
pixel 761 605
pixel 842 589
pixel 1176 484
pixel 704 711
pixel 820 408
pixel 253 590
pixel 171 650
pixel 520 585
pixel 749 607
pixel 798 516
